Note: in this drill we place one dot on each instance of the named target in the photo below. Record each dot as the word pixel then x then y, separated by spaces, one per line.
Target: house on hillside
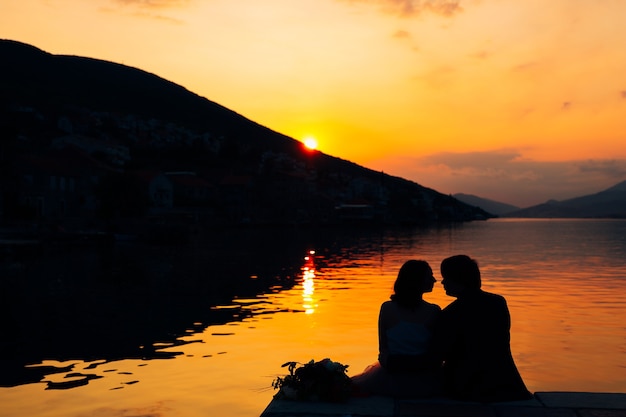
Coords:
pixel 158 188
pixel 235 195
pixel 113 152
pixel 58 185
pixel 289 197
pixel 190 189
pixel 356 212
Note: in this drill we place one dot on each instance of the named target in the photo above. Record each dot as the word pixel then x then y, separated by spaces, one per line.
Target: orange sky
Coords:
pixel 518 101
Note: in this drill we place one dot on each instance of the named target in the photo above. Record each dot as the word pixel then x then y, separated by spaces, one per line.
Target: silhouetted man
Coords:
pixel 473 338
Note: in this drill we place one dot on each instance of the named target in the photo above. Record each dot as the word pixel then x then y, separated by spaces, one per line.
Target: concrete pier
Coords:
pixel 544 404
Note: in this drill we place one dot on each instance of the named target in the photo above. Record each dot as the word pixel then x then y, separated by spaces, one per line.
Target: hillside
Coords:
pixel 54 82
pixel 491 206
pixel 610 203
pixel 127 122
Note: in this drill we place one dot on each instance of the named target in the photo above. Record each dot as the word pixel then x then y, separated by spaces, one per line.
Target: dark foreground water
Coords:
pixel 202 328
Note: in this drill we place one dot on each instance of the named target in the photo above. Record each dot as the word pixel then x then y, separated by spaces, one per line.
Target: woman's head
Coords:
pixel 460 273
pixel 414 279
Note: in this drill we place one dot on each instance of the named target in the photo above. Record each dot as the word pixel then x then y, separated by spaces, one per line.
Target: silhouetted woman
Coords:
pixel 405 325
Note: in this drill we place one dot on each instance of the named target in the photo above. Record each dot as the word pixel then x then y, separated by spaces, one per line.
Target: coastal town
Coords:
pixel 85 170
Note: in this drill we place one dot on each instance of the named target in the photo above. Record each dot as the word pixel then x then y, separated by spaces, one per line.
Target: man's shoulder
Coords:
pixel 453 306
pixel 496 298
pixel 479 297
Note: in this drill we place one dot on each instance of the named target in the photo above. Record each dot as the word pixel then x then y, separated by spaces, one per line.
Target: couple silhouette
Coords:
pixel 462 352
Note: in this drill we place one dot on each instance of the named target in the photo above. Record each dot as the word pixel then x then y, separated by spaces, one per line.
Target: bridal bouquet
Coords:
pixel 324 380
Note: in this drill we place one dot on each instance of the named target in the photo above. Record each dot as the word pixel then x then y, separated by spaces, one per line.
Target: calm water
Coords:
pixel 564 280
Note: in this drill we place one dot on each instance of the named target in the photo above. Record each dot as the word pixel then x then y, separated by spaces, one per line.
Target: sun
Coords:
pixel 310 142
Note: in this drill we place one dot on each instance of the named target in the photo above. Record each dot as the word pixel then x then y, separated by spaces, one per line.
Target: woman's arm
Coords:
pixel 383 347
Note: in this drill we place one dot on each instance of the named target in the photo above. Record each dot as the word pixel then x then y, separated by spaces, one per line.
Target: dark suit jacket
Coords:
pixel 473 338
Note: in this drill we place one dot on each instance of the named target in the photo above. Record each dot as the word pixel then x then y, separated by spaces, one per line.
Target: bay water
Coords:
pixel 300 294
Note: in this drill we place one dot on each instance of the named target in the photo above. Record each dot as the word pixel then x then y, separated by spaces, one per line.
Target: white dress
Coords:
pixel 402 338
pixel 406 338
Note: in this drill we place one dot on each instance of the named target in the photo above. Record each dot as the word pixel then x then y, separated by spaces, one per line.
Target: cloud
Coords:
pixel 610 168
pixel 480 55
pixel 473 159
pixel 504 175
pixel 438 77
pixel 153 4
pixel 402 34
pixel 445 8
pixel 527 67
pixel 148 9
pixel 407 38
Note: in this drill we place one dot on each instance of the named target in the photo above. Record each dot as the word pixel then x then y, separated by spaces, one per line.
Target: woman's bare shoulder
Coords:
pixel 388 305
pixel 389 309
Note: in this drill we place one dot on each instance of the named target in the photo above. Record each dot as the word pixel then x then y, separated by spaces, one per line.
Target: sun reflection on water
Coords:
pixel 563 281
pixel 308 284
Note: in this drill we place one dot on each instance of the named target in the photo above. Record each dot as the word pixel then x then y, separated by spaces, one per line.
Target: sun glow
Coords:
pixel 310 142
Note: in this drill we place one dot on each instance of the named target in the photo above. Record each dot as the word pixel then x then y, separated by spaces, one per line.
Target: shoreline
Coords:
pixel 543 404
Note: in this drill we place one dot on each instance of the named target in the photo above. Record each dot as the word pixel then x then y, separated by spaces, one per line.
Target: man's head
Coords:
pixel 460 273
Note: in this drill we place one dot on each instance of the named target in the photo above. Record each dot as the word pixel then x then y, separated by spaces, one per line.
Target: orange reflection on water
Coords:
pixel 308 284
pixel 563 281
pixel 566 328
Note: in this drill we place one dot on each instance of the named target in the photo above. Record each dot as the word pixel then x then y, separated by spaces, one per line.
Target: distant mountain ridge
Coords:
pixel 491 206
pixel 610 203
pixel 139 121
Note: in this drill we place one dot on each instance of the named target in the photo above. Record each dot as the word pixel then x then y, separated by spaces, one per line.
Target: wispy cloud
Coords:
pixel 445 8
pixel 402 34
pixel 438 77
pixel 148 9
pixel 611 168
pixel 407 38
pixel 153 4
pixel 526 67
pixel 504 175
pixel 480 55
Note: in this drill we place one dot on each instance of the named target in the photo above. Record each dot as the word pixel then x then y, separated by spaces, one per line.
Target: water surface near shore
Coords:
pixel 211 324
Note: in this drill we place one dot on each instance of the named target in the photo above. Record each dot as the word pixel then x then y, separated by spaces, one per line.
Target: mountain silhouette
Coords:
pixel 610 203
pixel 491 206
pixel 154 124
pixel 30 75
